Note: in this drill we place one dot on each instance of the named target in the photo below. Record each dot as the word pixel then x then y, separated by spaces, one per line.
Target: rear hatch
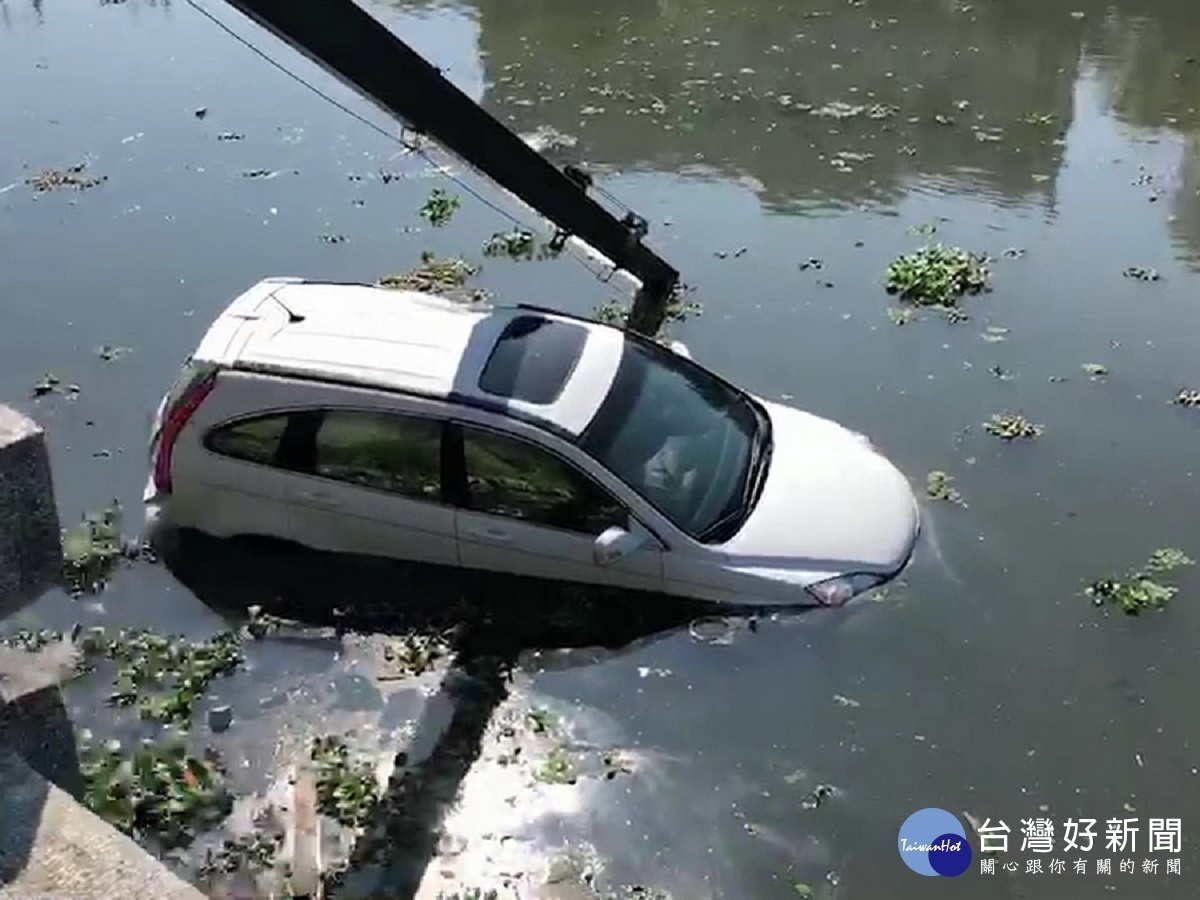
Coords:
pixel 219 348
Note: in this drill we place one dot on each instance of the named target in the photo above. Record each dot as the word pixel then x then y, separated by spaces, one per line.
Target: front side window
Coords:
pixel 511 478
pixel 251 440
pixel 681 438
pixel 387 452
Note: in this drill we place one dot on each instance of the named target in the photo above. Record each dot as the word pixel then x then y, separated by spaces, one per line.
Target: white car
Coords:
pixel 365 420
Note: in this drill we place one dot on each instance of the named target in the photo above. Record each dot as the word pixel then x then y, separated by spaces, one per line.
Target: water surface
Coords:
pixel 1064 134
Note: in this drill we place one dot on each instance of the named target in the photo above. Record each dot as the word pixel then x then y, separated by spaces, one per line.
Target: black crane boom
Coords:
pixel 347 41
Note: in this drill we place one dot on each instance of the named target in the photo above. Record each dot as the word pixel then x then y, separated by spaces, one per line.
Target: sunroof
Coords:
pixel 533 359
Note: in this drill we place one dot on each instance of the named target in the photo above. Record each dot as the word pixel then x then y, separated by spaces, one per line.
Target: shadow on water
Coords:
pixel 489 622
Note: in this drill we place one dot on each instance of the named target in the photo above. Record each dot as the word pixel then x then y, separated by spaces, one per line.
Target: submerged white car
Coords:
pixel 519 440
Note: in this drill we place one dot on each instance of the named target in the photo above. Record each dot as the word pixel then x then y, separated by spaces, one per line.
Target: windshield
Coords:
pixel 687 442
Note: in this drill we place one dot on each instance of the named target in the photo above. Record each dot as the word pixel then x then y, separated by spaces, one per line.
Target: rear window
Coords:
pixel 533 359
pixel 252 440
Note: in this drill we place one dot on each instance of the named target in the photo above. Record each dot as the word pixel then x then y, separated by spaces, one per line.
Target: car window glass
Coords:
pixel 533 359
pixel 381 450
pixel 511 478
pixel 254 440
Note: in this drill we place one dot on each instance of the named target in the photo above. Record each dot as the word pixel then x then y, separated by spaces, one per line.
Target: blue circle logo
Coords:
pixel 933 842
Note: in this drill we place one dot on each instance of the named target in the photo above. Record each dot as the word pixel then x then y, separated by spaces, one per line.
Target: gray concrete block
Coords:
pixel 30 536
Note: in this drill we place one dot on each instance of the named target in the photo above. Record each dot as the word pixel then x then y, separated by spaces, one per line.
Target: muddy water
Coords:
pixel 1065 135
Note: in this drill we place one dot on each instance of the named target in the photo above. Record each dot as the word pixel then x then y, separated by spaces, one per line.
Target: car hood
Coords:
pixel 830 502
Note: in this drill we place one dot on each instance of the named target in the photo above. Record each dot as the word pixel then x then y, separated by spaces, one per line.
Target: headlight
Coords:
pixel 837 591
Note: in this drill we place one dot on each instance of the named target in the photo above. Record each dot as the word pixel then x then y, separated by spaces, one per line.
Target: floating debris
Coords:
pixel 811 263
pixel 1011 426
pixel 900 315
pixel 52 384
pixel 1139 590
pixel 546 139
pixel 252 852
pixel 1095 370
pixel 542 720
pixel 200 112
pixel 838 109
pixel 333 239
pixel 1038 119
pixel 1141 273
pixel 109 354
pixel 72 178
pixel 940 486
pixel 517 244
pixel 1188 397
pixel 230 136
pixel 817 795
pixel 436 276
pixel 440 207
pixel 413 654
pixel 843 700
pixel 994 334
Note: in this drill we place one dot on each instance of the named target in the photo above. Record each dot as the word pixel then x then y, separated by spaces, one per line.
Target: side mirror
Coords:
pixel 613 543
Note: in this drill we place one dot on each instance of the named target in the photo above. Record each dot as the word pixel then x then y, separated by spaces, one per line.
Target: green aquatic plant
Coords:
pixel 1141 589
pixel 347 787
pixel 414 654
pixel 937 275
pixel 165 676
pixel 940 486
pixel 680 307
pixel 447 277
pixel 558 767
pixel 252 852
pixel 93 549
pixel 1011 426
pixel 520 245
pixel 158 791
pixel 440 207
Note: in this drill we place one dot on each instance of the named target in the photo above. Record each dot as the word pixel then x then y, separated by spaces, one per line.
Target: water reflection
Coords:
pixel 1147 58
pixel 494 625
pixel 814 108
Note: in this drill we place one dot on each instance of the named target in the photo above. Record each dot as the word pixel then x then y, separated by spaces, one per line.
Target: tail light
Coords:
pixel 176 417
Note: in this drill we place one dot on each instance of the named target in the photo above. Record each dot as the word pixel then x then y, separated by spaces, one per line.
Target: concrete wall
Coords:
pixel 30 537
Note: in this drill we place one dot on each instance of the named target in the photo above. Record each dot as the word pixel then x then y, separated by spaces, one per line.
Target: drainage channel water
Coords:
pixel 783 155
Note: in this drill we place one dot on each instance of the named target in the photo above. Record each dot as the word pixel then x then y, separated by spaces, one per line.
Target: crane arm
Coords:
pixel 347 41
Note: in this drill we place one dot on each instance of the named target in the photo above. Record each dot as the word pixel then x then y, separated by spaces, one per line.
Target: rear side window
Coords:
pixel 533 359
pixel 252 440
pixel 387 452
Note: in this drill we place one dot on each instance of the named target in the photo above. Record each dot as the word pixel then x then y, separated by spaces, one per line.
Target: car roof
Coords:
pixel 397 340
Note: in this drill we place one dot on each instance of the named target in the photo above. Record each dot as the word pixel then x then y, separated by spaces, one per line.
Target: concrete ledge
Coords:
pixel 51 846
pixel 30 537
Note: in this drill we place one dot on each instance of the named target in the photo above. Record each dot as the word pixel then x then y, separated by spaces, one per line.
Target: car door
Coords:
pixel 527 511
pixel 374 487
pixel 233 482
